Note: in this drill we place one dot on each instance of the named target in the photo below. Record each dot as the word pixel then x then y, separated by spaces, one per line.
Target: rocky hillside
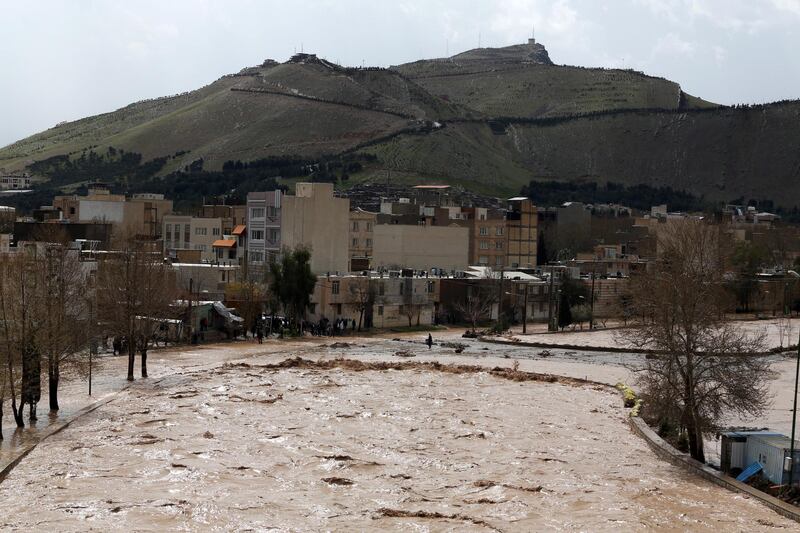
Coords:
pixel 488 119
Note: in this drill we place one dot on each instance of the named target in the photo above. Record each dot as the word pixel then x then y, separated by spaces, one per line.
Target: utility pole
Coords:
pixel 525 310
pixel 794 417
pixel 550 301
pixel 500 293
pixel 189 321
pixel 591 301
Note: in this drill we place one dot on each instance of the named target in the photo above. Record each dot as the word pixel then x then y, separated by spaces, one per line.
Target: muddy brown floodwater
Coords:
pixel 248 447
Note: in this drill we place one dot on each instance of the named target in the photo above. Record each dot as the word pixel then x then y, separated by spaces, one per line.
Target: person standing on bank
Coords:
pixel 429 341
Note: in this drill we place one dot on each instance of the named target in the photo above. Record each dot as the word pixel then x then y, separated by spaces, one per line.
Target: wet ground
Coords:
pixel 247 447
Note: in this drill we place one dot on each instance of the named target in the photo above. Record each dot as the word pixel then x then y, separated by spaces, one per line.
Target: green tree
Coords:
pixel 292 282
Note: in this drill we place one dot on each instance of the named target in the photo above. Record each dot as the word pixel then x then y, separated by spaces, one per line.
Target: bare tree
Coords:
pixel 362 295
pixel 705 368
pixel 477 304
pixel 62 334
pixel 9 333
pixel 136 290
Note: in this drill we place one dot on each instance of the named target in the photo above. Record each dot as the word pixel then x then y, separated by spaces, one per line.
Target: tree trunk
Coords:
pixel 32 411
pixel 17 412
pixel 131 358
pixel 53 390
pixel 1 418
pixel 695 443
pixel 144 362
pixel 52 382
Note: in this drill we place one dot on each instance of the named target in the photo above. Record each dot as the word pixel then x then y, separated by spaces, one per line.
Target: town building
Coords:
pixel 141 214
pixel 488 237
pixel 362 224
pixel 380 300
pixel 85 236
pixel 420 247
pixel 12 182
pixel 521 226
pixel 208 280
pixel 231 215
pixel 263 226
pixel 191 233
pixel 316 219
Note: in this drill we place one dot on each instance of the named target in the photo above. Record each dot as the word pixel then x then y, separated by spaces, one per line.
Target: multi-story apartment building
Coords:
pixel 231 215
pixel 521 228
pixel 362 224
pixel 141 214
pixel 263 227
pixel 191 233
pixel 488 240
pixel 316 219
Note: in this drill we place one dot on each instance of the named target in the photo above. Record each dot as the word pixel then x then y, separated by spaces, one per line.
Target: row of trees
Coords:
pixel 55 309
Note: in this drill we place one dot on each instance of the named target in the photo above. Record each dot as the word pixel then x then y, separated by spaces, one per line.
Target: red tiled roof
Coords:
pixel 238 230
pixel 224 243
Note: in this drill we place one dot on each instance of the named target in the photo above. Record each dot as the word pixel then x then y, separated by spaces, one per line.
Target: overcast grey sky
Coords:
pixel 66 59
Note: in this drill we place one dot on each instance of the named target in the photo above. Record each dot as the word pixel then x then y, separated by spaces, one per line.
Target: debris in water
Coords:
pixel 338 481
pixel 208 435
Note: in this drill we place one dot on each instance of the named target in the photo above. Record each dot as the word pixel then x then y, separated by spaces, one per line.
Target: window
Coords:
pixel 483 260
pixel 498 245
pixel 257 212
pixel 177 234
pixel 355 243
pixel 369 243
pixel 71 210
pixel 201 231
pixel 187 233
pixel 381 290
pixel 369 226
pixel 256 257
pixel 222 276
pixel 214 231
pixel 272 211
pixel 355 225
pixel 338 309
pixel 499 261
pixel 312 308
pixel 430 286
pixel 380 310
pixel 499 230
pixel 257 234
pixel 274 235
pixel 484 230
pixel 335 287
pixel 169 232
pixel 484 245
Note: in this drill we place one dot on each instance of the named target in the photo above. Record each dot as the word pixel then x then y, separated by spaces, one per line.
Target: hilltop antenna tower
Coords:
pixel 479 39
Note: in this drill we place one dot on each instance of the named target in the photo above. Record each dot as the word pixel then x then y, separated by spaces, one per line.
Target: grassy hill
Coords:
pixel 488 119
pixel 720 154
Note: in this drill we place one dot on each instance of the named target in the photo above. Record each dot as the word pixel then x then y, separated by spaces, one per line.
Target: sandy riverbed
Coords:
pixel 247 447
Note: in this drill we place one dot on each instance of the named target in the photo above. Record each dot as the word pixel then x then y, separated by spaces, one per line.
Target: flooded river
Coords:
pixel 245 446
